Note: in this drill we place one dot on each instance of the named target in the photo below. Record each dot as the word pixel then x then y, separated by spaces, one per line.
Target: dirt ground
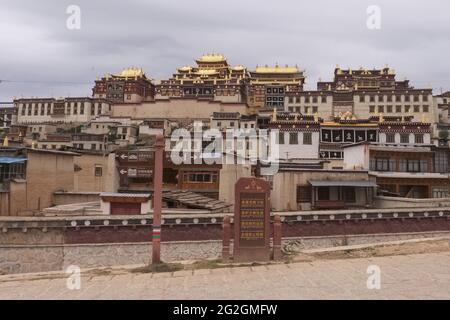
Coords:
pixel 378 251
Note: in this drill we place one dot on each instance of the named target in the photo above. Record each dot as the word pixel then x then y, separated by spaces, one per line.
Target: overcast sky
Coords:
pixel 40 56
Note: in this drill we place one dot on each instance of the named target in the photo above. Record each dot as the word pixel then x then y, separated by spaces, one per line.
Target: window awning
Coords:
pixel 10 160
pixel 349 183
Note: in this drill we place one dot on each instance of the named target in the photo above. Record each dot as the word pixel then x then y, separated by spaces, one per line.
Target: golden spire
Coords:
pixel 6 142
pixel 316 117
pixel 380 118
pixel 274 114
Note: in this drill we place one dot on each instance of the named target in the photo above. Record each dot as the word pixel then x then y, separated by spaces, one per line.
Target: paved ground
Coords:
pixel 421 276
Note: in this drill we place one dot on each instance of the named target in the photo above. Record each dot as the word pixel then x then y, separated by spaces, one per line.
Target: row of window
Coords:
pixel 45 109
pixel 293 138
pixel 232 123
pixel 402 165
pixel 307 99
pixel 404 138
pixel 307 110
pixel 275 90
pixel 275 104
pixel 201 177
pixel 398 109
pixel 393 98
pixel 304 194
pixel 93 146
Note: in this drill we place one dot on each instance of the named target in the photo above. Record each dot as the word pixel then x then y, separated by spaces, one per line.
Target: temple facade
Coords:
pixel 267 86
pixel 212 79
pixel 131 85
pixel 367 93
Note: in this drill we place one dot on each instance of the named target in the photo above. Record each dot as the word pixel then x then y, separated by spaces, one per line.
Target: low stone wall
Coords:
pixel 41 258
pixel 23 259
pixel 62 198
pixel 383 202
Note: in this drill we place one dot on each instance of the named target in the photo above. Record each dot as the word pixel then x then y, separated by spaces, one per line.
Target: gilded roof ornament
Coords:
pixel 131 72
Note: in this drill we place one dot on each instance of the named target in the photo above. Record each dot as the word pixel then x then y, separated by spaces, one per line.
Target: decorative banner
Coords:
pixel 349 136
pixel 326 135
pixel 324 154
pixel 337 136
pixel 360 136
pixel 372 135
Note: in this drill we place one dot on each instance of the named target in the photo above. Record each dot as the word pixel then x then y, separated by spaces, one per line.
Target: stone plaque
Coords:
pixel 251 220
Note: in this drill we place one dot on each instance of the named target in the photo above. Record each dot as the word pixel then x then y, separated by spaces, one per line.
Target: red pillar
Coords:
pixel 226 239
pixel 277 238
pixel 157 199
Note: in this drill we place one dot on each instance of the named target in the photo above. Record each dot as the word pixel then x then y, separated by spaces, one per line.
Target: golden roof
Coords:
pixel 185 68
pixel 131 72
pixel 212 58
pixel 238 67
pixel 276 69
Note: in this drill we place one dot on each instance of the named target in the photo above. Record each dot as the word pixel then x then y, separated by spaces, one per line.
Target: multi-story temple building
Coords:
pixel 131 85
pixel 267 86
pixel 367 93
pixel 62 110
pixel 7 114
pixel 213 79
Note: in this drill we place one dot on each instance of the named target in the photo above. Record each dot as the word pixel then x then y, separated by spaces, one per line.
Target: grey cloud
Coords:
pixel 162 35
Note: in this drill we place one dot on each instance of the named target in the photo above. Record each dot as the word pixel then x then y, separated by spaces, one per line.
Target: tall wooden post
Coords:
pixel 157 199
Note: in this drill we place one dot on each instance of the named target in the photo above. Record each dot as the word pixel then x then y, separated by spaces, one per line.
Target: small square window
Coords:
pixel 418 138
pixel 390 137
pixel 307 138
pixel 98 171
pixel 293 138
pixel 404 138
